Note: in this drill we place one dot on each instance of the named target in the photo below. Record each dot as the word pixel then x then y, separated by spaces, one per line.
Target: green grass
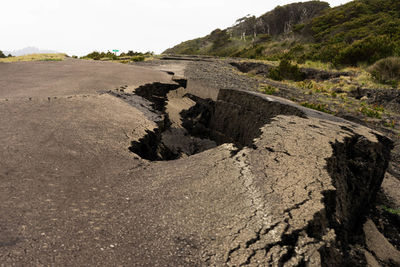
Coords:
pixel 268 90
pixel 317 65
pixel 317 106
pixel 392 211
pixel 374 111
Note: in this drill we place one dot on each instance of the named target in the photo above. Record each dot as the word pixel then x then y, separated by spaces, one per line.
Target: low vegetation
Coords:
pixel 317 106
pixel 35 57
pixel 392 211
pixel 122 58
pixel 374 111
pixel 268 89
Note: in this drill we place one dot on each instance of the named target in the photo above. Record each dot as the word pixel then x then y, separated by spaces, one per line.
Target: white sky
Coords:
pixel 78 27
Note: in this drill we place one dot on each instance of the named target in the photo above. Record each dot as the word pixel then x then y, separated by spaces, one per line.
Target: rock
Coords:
pixel 307 177
pixel 390 187
pixel 379 245
pixel 371 261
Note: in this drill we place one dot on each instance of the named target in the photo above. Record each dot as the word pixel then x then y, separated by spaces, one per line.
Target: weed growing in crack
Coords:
pixel 268 89
pixel 390 124
pixel 391 211
pixel 371 111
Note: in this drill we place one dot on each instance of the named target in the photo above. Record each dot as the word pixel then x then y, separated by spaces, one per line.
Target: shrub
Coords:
pixel 94 55
pixel 274 74
pixel 137 58
pixel 286 70
pixel 132 53
pixel 386 70
pixel 367 50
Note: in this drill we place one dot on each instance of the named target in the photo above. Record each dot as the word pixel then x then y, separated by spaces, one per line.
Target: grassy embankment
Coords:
pixel 35 57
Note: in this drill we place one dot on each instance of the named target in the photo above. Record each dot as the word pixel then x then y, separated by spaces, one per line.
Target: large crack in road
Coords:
pixel 187 125
pixel 275 183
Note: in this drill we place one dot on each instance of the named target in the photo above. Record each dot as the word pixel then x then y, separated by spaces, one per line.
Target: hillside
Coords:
pixel 361 31
pixel 249 31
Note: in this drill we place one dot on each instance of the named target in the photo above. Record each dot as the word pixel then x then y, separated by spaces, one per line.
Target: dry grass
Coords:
pixel 386 70
pixel 35 57
pixel 317 65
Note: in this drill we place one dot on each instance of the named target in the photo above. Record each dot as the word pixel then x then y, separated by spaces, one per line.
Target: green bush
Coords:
pixel 286 70
pixel 367 50
pixel 137 58
pixel 386 70
pixel 132 53
pixel 94 55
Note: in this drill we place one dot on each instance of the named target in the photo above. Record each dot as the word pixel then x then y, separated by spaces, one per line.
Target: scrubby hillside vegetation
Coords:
pixel 361 31
pixel 127 57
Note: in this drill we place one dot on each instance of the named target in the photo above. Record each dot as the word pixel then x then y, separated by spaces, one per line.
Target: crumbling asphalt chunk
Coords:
pixel 308 192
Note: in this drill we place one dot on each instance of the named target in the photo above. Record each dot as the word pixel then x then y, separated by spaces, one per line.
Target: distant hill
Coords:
pixel 361 31
pixel 28 51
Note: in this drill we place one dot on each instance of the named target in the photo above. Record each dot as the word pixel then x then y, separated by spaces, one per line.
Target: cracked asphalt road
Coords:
pixel 72 194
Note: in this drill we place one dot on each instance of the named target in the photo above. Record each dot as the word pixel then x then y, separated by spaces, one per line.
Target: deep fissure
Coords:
pixel 356 186
pixel 235 117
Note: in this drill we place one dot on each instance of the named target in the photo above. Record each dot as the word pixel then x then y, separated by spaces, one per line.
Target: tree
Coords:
pixel 2 54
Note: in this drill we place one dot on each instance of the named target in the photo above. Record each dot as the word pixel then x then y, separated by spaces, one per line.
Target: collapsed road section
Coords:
pixel 188 125
pixel 309 176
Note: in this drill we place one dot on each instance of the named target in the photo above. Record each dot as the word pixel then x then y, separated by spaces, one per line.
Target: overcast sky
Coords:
pixel 78 27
